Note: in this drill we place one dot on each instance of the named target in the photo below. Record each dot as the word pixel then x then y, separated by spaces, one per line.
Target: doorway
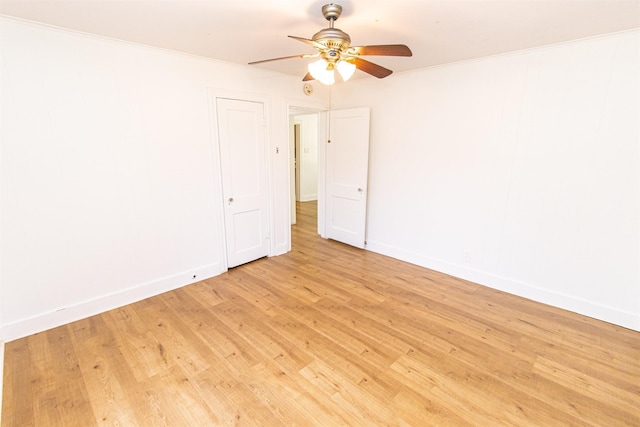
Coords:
pixel 341 172
pixel 304 135
pixel 306 156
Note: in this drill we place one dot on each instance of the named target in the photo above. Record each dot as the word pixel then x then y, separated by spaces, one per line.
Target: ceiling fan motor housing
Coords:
pixel 333 38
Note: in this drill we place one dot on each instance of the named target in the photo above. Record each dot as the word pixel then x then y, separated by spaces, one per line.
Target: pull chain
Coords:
pixel 329 116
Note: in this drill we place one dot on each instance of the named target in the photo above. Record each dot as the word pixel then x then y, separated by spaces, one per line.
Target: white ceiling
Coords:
pixel 240 31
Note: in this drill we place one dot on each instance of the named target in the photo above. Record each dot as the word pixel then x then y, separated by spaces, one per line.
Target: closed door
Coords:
pixel 347 166
pixel 241 133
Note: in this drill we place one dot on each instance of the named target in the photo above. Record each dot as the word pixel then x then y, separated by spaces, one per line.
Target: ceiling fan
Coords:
pixel 336 53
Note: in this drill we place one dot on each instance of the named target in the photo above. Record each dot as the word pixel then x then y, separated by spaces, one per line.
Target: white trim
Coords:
pixel 512 286
pixel 323 136
pixel 103 303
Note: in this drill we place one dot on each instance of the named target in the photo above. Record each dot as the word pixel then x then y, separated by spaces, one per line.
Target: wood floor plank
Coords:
pixel 303 407
pixel 327 335
pixel 137 343
pixel 68 391
pixel 21 381
pixel 266 340
pixel 410 405
pixel 113 392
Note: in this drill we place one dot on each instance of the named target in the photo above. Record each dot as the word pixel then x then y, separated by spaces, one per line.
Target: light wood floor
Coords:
pixel 327 335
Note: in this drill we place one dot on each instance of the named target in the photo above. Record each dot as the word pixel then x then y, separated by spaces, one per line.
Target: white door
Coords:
pixel 347 165
pixel 241 132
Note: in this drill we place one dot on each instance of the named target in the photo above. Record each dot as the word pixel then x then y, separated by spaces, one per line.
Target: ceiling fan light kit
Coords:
pixel 346 69
pixel 322 71
pixel 336 53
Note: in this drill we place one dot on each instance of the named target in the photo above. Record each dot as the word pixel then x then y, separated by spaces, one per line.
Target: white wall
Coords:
pixel 519 172
pixel 526 162
pixel 110 190
pixel 308 156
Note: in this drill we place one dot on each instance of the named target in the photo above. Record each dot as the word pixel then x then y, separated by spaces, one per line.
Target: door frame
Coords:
pixel 218 199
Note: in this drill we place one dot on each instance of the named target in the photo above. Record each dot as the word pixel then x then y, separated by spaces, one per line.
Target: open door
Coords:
pixel 347 166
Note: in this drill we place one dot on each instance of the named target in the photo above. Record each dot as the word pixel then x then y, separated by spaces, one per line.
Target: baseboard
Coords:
pixel 100 304
pixel 515 287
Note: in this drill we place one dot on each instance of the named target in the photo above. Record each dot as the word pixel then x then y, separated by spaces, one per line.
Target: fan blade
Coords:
pixel 304 55
pixel 381 50
pixel 369 67
pixel 308 77
pixel 309 42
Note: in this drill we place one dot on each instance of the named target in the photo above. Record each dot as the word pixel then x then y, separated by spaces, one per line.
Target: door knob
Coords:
pixel 360 190
pixel 230 199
